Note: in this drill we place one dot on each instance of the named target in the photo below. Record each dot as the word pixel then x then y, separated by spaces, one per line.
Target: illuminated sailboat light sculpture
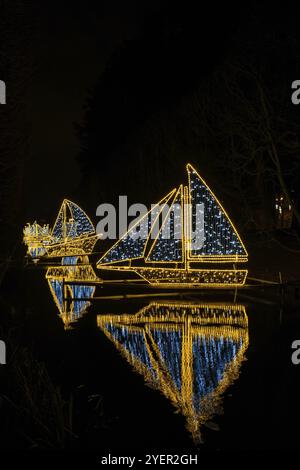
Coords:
pixel 73 233
pixel 174 262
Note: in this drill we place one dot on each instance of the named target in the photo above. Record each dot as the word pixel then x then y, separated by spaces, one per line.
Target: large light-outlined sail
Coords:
pixel 170 239
pixel 81 221
pixel 221 241
pixel 133 243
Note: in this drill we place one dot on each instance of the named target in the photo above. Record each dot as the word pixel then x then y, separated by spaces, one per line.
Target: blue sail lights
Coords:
pixel 168 246
pixel 196 231
pixel 221 240
pixel 133 243
pixel 190 352
pixel 72 234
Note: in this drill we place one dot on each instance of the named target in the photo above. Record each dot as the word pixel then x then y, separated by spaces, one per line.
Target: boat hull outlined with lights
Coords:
pixel 182 278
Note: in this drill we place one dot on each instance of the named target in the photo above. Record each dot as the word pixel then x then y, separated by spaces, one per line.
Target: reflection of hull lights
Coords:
pixel 174 314
pixel 72 273
pixel 77 246
pixel 205 278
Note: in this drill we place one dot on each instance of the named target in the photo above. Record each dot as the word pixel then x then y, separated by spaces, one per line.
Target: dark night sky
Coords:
pixel 73 46
pixel 74 43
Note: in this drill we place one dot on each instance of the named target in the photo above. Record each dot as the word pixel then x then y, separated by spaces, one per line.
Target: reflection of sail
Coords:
pixel 68 288
pixel 191 352
pixel 220 237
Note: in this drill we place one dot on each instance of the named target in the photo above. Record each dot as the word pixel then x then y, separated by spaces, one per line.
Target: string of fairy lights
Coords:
pixel 83 223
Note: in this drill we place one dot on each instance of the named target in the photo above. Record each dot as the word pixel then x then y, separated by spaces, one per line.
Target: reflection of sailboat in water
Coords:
pixel 72 234
pixel 190 352
pixel 70 288
pixel 180 251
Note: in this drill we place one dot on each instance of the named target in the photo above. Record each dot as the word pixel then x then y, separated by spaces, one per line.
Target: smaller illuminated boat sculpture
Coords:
pixel 72 234
pixel 71 289
pixel 192 353
pixel 36 237
pixel 176 261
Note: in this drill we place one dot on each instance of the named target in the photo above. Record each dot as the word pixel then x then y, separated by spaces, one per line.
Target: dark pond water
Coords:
pixel 164 371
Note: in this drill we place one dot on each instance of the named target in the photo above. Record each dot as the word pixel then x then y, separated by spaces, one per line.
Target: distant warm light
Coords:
pixel 283 212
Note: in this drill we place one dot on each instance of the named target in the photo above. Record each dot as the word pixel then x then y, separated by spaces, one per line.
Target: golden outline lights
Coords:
pixel 125 249
pixel 222 244
pixel 221 241
pixel 190 352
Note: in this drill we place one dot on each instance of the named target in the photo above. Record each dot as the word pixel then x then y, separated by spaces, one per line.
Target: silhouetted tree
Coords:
pixel 16 31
